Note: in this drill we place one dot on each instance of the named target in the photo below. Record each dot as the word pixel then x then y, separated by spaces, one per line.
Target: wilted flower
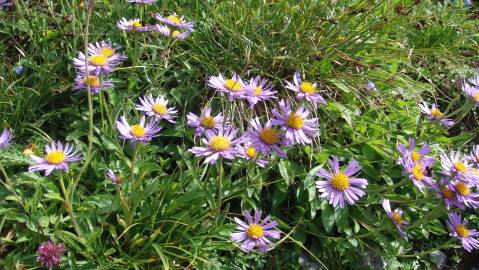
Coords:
pixel 133 25
pixel 255 232
pixel 460 231
pixel 157 107
pixel 19 70
pixel 298 127
pixel 95 82
pixel 305 90
pixel 234 87
pixel 396 217
pixel 340 185
pixel 370 85
pixel 217 144
pixel 435 114
pixel 49 254
pixel 261 90
pixel 138 132
pixel 264 139
pixel 57 157
pixel 205 121
pixel 474 155
pixel 5 138
pixel 115 179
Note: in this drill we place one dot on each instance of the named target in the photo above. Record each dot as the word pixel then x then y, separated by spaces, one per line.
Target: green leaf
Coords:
pixel 327 216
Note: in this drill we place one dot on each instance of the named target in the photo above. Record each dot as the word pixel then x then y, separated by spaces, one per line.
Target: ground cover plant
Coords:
pixel 147 134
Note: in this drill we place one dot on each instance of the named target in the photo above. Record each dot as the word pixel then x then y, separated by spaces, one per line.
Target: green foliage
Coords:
pixel 413 51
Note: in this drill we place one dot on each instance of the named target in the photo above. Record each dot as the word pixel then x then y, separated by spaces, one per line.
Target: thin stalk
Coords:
pixel 132 183
pixel 220 182
pixel 68 206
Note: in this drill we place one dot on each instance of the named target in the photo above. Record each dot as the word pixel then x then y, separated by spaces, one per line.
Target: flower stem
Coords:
pixel 220 182
pixel 132 183
pixel 68 206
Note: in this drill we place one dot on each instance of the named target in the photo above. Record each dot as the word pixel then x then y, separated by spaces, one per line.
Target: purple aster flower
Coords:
pixel 6 138
pixel 133 25
pixel 460 231
pixel 464 193
pixel 255 232
pixel 447 193
pixel 298 128
pixel 172 33
pixel 396 217
pixel 107 49
pixel 157 107
pixel 435 114
pixel 370 85
pixel 96 63
pixel 418 175
pixel 19 70
pixel 341 186
pixel 95 82
pixel 7 4
pixel 138 132
pixel 235 86
pixel 261 90
pixel 305 90
pixel 471 90
pixel 264 139
pixel 115 179
pixel 49 254
pixel 474 155
pixel 175 21
pixel 57 157
pixel 409 155
pixel 248 152
pixel 456 165
pixel 217 144
pixel 205 121
pixel 145 2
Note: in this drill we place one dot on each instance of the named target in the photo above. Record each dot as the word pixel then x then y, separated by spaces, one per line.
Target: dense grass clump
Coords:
pixel 175 191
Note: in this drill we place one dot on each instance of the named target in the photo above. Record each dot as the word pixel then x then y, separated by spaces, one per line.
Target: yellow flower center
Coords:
pixel 257 91
pixel 418 172
pixel 436 112
pixel 107 51
pixel 340 181
pixel 136 24
pixel 307 87
pixel 220 143
pixel 55 157
pixel 462 230
pixel 98 60
pixel 295 121
pixel 415 156
pixel 447 193
pixel 250 152
pixel 396 217
pixel 138 131
pixel 233 85
pixel 175 33
pixel 254 231
pixel 174 18
pixel 460 166
pixel 462 188
pixel 160 109
pixel 208 122
pixel 269 136
pixel 92 80
pixel 476 97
